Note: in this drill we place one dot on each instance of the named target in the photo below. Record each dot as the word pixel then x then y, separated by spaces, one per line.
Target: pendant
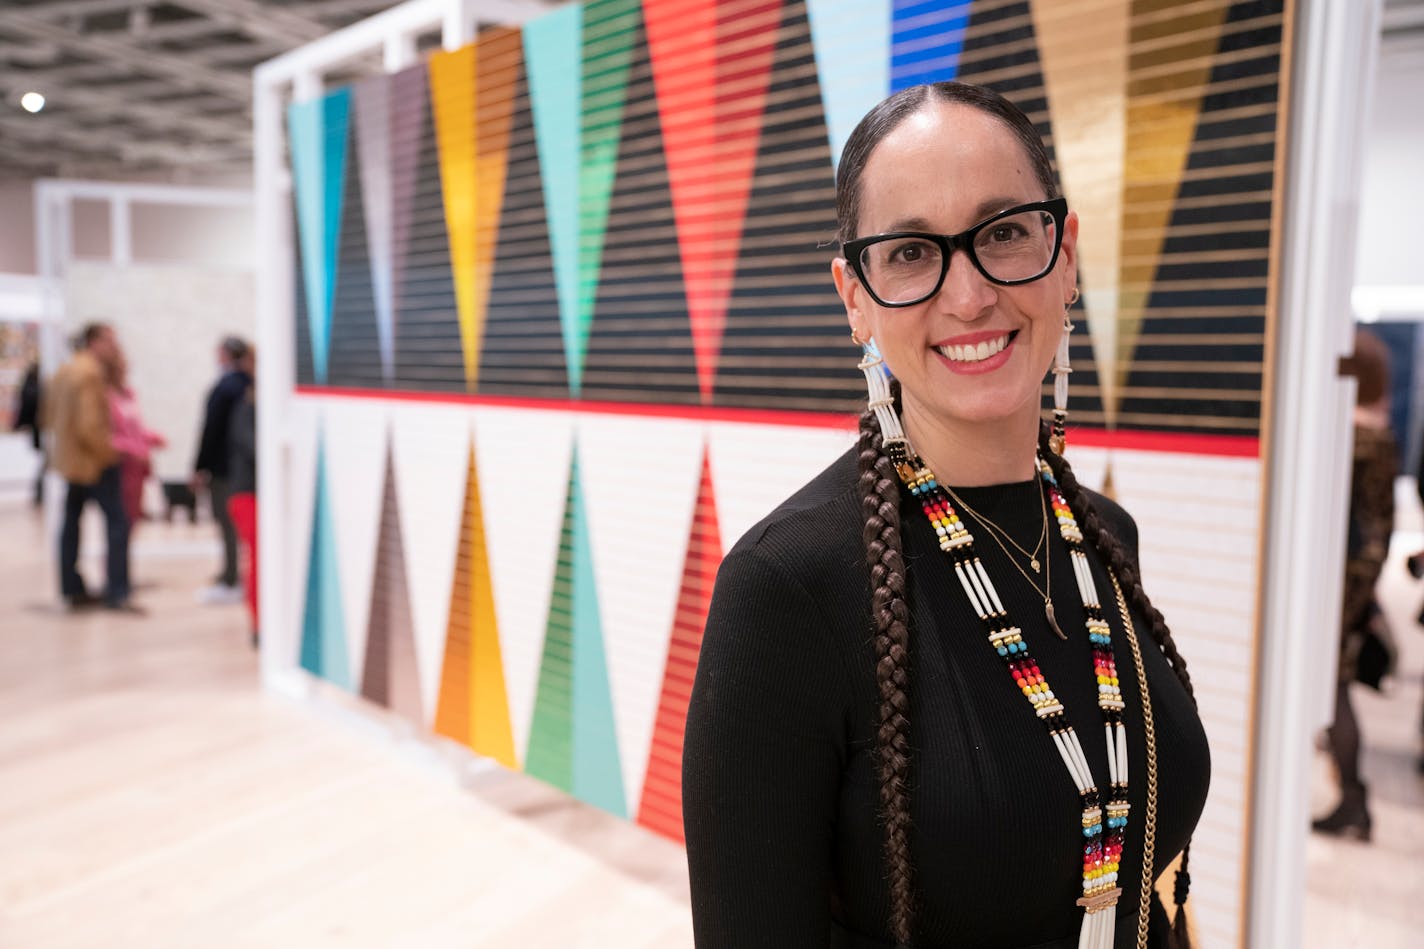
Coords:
pixel 1053 620
pixel 1034 564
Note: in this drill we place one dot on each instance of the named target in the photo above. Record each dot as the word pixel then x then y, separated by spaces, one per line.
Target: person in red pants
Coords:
pixel 242 475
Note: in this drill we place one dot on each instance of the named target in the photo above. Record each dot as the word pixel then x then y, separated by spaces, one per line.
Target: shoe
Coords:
pixel 1351 817
pixel 220 595
pixel 81 602
pixel 127 607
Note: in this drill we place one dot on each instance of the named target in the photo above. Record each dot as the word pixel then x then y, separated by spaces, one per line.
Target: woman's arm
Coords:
pixel 762 760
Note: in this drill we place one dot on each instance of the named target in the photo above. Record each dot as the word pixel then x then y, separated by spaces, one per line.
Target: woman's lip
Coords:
pixel 973 339
pixel 980 367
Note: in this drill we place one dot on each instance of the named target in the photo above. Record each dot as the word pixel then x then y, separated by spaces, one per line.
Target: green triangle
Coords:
pixel 609 29
pixel 551 734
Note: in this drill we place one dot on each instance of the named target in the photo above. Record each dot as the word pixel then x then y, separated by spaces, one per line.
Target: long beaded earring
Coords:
pixel 1058 439
pixel 882 402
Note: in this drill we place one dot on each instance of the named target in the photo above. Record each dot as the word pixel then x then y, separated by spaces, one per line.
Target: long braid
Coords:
pixel 1111 550
pixel 880 503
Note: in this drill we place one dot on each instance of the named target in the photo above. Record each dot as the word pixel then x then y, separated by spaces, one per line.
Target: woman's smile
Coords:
pixel 976 353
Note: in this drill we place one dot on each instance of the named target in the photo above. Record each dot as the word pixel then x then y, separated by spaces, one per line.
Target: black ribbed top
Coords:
pixel 780 794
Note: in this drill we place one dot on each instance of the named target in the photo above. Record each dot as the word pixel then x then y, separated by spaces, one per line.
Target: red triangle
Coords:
pixel 711 69
pixel 661 807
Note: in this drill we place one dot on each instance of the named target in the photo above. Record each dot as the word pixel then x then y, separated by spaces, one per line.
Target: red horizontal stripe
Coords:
pixel 1189 443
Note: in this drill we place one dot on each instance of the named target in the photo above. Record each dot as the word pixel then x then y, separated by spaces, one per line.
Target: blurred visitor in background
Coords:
pixel 211 467
pixel 133 440
pixel 1362 636
pixel 242 480
pixel 76 412
pixel 27 415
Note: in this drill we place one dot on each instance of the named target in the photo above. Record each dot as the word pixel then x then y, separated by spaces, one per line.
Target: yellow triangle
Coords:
pixel 490 732
pixel 1169 70
pixel 1084 65
pixel 452 96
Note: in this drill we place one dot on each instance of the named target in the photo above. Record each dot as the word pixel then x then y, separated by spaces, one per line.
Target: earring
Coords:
pixel 855 338
pixel 1058 436
pixel 882 403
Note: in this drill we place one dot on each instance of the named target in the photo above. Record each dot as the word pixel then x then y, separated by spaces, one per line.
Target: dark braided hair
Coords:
pixel 880 503
pixel 1112 552
pixel 880 500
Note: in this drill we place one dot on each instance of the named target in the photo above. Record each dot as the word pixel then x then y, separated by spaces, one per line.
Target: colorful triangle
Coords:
pixel 552 46
pixel 852 44
pixel 711 64
pixel 372 106
pixel 473 708
pixel 318 133
pixel 408 109
pixel 927 37
pixel 353 347
pixel 452 96
pixel 661 806
pixel 390 675
pixel 323 650
pixel 573 743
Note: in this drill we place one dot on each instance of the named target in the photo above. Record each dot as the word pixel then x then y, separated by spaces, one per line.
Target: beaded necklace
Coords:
pixel 1104 822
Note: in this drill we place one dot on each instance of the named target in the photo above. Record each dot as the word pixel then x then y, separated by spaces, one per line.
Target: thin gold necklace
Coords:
pixel 1047 591
pixel 995 529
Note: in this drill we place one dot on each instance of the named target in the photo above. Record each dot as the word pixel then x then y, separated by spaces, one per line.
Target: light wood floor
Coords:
pixel 152 796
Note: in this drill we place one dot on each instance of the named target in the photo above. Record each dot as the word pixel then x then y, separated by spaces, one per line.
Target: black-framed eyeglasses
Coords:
pixel 1017 245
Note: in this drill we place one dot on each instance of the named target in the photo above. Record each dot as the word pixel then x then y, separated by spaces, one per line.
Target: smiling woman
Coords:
pixel 860 768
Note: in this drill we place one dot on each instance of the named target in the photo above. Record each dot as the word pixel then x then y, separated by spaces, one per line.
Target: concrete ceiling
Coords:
pixel 142 89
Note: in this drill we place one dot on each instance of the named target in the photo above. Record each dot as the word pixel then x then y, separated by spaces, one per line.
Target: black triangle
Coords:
pixel 355 355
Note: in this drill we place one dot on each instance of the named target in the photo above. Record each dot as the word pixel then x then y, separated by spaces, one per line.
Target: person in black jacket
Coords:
pixel 212 465
pixel 28 416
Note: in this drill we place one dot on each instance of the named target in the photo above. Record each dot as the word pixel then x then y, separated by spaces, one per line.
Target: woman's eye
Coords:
pixel 1005 233
pixel 910 253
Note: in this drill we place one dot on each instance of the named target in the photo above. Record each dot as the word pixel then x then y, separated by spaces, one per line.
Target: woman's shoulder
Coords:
pixel 819 518
pixel 1115 516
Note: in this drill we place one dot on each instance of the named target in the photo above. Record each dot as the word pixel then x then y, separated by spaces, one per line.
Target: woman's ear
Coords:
pixel 849 290
pixel 1068 252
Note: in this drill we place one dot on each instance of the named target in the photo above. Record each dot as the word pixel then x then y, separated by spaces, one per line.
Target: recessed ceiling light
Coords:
pixel 32 101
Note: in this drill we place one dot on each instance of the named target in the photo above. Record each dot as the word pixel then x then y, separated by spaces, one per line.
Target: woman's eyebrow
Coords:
pixel 985 210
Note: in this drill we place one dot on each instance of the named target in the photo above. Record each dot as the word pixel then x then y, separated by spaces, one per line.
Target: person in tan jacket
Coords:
pixel 76 413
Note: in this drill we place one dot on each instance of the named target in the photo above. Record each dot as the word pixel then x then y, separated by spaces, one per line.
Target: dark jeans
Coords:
pixel 220 491
pixel 106 493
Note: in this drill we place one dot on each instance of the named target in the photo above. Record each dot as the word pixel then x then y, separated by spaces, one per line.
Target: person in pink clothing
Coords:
pixel 133 441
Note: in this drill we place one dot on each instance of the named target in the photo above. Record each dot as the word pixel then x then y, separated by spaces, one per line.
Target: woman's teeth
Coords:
pixel 974 353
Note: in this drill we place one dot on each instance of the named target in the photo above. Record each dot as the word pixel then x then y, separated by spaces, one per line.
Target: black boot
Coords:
pixel 1351 817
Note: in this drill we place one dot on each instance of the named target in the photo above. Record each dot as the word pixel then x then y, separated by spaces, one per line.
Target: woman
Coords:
pixel 242 476
pixel 861 767
pixel 1371 521
pixel 133 441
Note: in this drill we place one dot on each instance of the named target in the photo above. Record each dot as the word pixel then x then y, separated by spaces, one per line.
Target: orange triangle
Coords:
pixel 661 807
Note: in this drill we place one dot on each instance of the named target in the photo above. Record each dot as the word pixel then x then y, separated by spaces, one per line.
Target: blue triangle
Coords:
pixel 852 43
pixel 927 38
pixel 323 624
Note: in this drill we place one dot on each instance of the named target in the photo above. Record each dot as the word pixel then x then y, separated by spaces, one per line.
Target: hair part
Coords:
pixel 891 112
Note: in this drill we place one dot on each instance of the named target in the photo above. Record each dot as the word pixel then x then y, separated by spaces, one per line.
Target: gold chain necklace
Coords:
pixel 1149 734
pixel 1047 591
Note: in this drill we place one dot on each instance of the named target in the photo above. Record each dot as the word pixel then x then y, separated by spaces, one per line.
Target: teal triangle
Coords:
pixel 336 126
pixel 318 130
pixel 852 44
pixel 598 775
pixel 304 131
pixel 552 61
pixel 323 625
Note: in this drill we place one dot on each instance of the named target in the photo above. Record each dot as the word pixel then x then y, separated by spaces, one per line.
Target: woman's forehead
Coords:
pixel 948 164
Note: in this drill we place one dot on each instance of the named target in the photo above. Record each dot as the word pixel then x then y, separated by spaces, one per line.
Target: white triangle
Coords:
pixel 640 478
pixel 355 474
pixel 523 457
pixel 756 467
pixel 430 446
pixel 301 435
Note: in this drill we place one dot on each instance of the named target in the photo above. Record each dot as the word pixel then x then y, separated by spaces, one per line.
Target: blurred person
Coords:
pixel 242 481
pixel 27 416
pixel 133 440
pixel 76 412
pixel 211 467
pixel 1371 520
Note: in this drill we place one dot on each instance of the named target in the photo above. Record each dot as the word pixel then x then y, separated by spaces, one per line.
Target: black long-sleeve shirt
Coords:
pixel 780 792
pixel 217 414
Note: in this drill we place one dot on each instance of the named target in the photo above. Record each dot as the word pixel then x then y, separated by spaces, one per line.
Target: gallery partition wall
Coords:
pixel 547 324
